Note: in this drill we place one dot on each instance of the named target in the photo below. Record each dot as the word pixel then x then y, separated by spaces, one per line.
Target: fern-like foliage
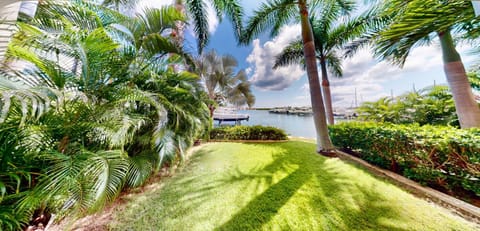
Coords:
pixel 88 107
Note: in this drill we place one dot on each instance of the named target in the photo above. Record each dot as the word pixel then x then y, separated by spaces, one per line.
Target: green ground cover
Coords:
pixel 278 186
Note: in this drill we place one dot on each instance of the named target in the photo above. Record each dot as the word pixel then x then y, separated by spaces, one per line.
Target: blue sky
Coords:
pixel 285 86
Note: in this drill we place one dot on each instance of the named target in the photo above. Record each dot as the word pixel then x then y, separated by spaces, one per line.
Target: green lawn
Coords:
pixel 278 186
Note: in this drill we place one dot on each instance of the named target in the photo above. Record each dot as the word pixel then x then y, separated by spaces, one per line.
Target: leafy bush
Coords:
pixel 75 133
pixel 443 157
pixel 247 133
pixel 432 105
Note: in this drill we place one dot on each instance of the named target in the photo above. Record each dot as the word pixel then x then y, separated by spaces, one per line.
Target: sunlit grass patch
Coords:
pixel 280 186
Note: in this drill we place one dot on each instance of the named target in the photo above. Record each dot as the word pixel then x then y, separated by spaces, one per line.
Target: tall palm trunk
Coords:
pixel 324 144
pixel 327 96
pixel 467 108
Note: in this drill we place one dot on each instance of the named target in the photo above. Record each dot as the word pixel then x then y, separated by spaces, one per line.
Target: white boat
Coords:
pixel 229 115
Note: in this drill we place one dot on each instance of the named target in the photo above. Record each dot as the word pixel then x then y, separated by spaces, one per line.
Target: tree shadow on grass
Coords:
pixel 334 215
pixel 331 199
pixel 261 209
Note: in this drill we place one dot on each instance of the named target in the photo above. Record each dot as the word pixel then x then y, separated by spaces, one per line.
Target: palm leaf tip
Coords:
pixel 271 14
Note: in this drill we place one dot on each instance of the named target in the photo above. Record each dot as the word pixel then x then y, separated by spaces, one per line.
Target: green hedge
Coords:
pixel 247 133
pixel 437 156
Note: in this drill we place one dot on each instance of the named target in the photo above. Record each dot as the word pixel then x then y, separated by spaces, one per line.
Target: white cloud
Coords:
pixel 212 16
pixel 304 93
pixel 248 70
pixel 363 74
pixel 366 76
pixel 262 59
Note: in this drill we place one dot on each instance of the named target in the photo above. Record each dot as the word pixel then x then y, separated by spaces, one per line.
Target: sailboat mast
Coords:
pixel 356 100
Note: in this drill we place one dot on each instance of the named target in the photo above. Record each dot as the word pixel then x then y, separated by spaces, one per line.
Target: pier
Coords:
pixel 300 111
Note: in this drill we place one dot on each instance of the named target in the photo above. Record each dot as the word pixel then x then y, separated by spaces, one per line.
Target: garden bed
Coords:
pixel 444 158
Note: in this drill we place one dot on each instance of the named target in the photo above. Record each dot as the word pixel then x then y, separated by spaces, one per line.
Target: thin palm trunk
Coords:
pixel 327 96
pixel 324 144
pixel 180 26
pixel 211 108
pixel 467 108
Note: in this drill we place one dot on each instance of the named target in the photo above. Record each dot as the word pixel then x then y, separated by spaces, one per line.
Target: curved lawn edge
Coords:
pixel 459 207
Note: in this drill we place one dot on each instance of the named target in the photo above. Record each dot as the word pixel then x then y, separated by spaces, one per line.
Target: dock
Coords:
pixel 300 111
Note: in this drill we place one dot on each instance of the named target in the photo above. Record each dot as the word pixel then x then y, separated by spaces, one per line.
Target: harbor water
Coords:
pixel 293 125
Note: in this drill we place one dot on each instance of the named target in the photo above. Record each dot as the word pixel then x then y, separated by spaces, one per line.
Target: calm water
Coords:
pixel 292 124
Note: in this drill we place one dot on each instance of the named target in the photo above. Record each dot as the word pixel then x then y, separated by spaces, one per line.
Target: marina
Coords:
pixel 293 125
pixel 301 111
pixel 344 113
pixel 295 121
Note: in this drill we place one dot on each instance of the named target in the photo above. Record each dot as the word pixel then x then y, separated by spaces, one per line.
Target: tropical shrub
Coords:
pixel 248 133
pixel 442 157
pixel 94 109
pixel 474 78
pixel 432 105
pixel 418 22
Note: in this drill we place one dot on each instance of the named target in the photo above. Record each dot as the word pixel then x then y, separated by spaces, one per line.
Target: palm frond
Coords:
pixel 352 47
pixel 266 17
pixel 140 168
pixel 197 11
pixel 12 219
pixel 56 14
pixel 221 81
pixel 234 12
pixel 117 128
pixel 416 20
pixel 157 20
pixel 108 171
pixel 334 63
pixel 343 6
pixel 60 178
pixel 119 111
pixel 157 46
pixel 292 54
pixel 164 145
pixel 32 101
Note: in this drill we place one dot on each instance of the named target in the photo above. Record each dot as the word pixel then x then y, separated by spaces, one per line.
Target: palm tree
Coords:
pixel 275 14
pixel 417 22
pixel 91 132
pixel 380 110
pixel 197 11
pixel 222 83
pixel 431 105
pixel 329 36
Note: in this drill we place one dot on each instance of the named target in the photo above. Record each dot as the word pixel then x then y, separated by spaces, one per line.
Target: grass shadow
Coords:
pixel 286 187
pixel 262 208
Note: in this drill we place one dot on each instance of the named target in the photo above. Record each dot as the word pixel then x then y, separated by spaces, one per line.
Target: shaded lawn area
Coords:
pixel 278 186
